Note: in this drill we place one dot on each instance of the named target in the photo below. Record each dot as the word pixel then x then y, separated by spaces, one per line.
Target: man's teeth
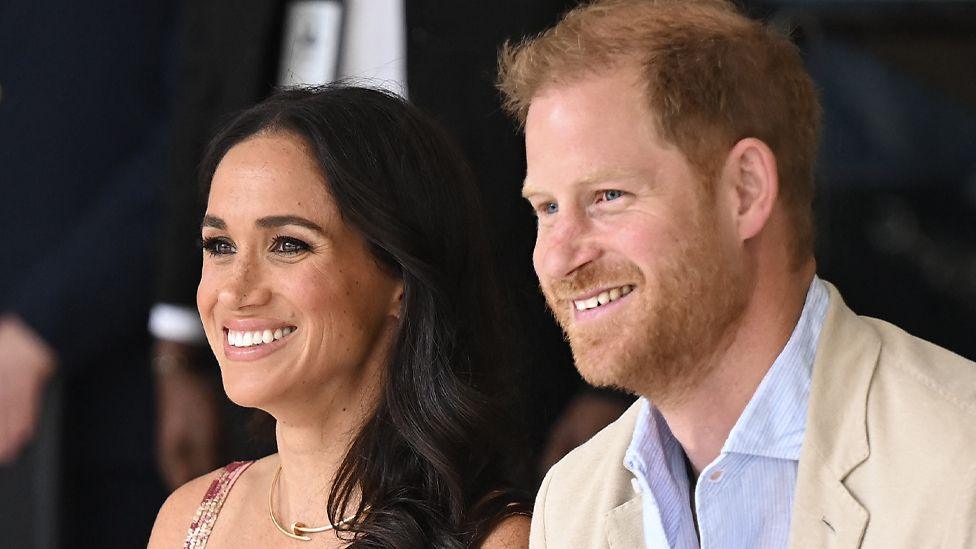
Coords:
pixel 249 339
pixel 603 298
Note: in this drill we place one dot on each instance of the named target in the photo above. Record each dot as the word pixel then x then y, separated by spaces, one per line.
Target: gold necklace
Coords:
pixel 299 530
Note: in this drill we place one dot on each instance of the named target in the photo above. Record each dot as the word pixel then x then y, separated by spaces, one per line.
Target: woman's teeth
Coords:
pixel 259 337
pixel 603 298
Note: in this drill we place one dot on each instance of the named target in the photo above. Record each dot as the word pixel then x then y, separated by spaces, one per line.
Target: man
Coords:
pixel 669 159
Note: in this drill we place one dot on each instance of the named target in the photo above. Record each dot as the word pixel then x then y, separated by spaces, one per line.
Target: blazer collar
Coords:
pixel 825 514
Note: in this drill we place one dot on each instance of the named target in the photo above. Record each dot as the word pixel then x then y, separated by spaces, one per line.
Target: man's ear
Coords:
pixel 750 170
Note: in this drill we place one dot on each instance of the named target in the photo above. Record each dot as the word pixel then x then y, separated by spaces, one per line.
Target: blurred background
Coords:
pixel 109 396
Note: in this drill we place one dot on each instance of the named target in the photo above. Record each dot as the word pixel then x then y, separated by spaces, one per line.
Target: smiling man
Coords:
pixel 669 159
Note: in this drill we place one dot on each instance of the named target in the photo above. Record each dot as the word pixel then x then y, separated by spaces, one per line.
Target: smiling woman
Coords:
pixel 347 291
pixel 280 260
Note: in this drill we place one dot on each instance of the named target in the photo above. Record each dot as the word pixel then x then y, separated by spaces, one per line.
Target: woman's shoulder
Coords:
pixel 180 509
pixel 177 512
pixel 510 533
pixel 504 514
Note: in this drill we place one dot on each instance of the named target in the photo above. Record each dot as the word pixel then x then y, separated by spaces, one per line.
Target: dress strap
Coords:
pixel 213 500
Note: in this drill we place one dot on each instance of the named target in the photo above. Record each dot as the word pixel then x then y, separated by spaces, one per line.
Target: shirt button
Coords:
pixel 715 476
pixel 635 485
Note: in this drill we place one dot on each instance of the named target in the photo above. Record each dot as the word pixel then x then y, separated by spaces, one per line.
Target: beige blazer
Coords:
pixel 888 461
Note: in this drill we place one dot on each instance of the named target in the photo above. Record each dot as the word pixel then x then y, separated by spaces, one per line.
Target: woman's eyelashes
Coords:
pixel 287 246
pixel 217 246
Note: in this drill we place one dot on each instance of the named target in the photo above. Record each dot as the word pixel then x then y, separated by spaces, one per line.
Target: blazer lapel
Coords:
pixel 625 525
pixel 825 513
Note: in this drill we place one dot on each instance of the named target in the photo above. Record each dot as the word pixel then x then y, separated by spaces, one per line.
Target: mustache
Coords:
pixel 590 277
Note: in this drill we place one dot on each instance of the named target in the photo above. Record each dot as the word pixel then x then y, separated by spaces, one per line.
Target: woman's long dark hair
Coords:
pixel 431 461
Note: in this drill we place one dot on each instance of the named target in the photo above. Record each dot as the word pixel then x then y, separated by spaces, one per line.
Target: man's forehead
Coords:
pixel 592 113
pixel 622 77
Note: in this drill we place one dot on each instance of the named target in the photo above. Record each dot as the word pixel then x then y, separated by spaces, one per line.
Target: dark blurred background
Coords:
pixel 105 108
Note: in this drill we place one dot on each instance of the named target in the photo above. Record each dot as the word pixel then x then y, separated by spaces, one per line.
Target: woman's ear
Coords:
pixel 396 304
pixel 753 179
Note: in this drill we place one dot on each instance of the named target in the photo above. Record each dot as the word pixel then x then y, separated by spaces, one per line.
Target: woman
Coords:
pixel 346 291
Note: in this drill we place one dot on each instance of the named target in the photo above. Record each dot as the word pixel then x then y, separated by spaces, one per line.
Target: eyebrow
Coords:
pixel 528 190
pixel 268 222
pixel 273 221
pixel 590 179
pixel 213 221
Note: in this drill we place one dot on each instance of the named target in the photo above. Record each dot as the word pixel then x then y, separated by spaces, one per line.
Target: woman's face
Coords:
pixel 295 307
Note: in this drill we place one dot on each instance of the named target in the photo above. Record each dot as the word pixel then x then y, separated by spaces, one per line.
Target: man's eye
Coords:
pixel 217 246
pixel 611 194
pixel 548 208
pixel 286 245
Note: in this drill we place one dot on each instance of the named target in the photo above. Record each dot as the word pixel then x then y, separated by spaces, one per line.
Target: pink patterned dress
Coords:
pixel 213 500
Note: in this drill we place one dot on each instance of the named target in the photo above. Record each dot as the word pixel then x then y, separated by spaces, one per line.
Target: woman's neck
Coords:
pixel 312 445
pixel 314 433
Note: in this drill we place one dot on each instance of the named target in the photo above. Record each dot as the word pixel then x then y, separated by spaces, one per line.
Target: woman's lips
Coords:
pixel 255 344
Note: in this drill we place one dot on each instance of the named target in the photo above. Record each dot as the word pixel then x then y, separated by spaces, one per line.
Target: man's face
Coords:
pixel 635 260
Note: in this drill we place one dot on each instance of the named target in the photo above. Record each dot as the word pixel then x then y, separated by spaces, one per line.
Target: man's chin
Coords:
pixel 636 374
pixel 602 370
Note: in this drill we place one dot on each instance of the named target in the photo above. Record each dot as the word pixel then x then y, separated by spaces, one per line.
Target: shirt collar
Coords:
pixel 651 443
pixel 773 423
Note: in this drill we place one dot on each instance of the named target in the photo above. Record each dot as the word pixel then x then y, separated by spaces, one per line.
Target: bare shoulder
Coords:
pixel 177 512
pixel 511 533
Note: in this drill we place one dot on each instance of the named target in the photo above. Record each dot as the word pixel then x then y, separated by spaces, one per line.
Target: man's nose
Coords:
pixel 566 245
pixel 246 285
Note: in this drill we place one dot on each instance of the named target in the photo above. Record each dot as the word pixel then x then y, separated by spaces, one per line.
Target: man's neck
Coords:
pixel 702 420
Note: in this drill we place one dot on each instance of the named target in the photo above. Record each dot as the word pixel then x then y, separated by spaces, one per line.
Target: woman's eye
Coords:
pixel 611 194
pixel 286 245
pixel 217 246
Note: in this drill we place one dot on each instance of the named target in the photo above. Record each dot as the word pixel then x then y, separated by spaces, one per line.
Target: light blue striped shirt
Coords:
pixel 745 497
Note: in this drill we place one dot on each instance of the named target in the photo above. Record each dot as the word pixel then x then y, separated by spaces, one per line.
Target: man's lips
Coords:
pixel 601 298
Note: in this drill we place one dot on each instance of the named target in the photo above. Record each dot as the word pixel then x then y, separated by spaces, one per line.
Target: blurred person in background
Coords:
pixel 347 289
pixel 83 100
pixel 440 55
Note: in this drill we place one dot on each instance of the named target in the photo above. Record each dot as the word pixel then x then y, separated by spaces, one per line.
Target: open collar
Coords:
pixel 773 422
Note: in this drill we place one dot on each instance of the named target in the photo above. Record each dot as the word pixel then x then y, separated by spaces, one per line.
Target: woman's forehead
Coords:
pixel 271 172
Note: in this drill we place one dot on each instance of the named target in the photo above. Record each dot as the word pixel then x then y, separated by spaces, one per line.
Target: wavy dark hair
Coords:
pixel 432 463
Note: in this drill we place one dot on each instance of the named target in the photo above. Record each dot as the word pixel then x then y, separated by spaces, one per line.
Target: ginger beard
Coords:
pixel 661 344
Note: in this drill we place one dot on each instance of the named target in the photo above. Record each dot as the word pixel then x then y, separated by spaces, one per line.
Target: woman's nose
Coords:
pixel 245 286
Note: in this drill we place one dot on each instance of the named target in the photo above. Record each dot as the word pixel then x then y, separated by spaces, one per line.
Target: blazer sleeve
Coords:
pixel 961 532
pixel 537 533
